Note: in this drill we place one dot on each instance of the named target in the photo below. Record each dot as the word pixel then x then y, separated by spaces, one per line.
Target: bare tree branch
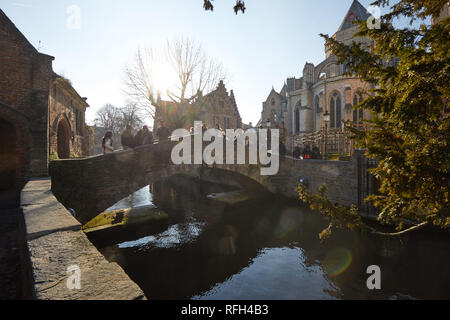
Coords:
pixel 193 72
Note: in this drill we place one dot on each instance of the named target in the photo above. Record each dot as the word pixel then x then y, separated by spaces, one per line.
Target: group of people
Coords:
pixel 306 153
pixel 129 141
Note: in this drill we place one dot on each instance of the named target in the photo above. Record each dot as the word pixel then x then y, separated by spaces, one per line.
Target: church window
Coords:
pixel 358 114
pixel 335 111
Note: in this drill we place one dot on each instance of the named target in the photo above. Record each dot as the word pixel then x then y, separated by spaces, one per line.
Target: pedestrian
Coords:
pixel 297 152
pixel 306 153
pixel 107 143
pixel 315 153
pixel 163 132
pixel 143 137
pixel 127 138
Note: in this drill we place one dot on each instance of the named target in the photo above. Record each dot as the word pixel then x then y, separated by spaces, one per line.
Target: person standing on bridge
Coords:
pixel 143 137
pixel 107 143
pixel 163 132
pixel 127 138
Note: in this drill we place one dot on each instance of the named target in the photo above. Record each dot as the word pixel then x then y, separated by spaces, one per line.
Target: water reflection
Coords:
pixel 140 198
pixel 267 249
pixel 174 236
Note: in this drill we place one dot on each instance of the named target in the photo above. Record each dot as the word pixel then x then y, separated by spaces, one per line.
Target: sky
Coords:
pixel 269 43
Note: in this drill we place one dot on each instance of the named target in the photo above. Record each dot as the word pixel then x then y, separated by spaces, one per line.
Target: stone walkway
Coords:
pixel 10 274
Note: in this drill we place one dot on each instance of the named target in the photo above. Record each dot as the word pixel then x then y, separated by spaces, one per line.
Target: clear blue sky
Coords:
pixel 261 48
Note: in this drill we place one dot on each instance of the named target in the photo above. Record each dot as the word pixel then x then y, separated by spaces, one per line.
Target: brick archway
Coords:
pixel 8 158
pixel 15 145
pixel 63 139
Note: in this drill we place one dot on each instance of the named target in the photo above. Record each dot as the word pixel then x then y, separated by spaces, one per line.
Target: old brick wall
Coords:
pixel 24 86
pixel 66 105
pixel 220 105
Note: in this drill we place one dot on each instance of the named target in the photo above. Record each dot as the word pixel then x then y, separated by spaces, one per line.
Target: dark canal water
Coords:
pixel 267 248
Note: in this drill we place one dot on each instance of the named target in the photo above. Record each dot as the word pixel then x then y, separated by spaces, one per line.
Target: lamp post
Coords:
pixel 326 119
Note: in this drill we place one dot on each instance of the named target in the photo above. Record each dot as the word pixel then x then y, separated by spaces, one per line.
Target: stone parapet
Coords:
pixel 54 242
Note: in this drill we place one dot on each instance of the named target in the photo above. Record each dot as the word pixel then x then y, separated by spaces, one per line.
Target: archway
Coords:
pixel 63 139
pixel 8 156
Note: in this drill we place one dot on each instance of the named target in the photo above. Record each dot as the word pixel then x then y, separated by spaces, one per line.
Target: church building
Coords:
pixel 300 105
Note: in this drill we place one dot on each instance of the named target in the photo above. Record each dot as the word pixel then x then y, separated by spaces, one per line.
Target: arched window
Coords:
pixel 274 117
pixel 332 112
pixel 338 112
pixel 297 120
pixel 335 111
pixel 317 104
pixel 361 111
pixel 358 114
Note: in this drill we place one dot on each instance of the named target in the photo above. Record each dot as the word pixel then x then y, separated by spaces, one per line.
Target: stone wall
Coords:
pixel 93 184
pixel 67 106
pixel 220 108
pixel 54 242
pixel 26 79
pixel 24 83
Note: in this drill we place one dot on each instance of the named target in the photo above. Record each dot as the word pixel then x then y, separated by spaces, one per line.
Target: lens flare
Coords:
pixel 289 220
pixel 337 261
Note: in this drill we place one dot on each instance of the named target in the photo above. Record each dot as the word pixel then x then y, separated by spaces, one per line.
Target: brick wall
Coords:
pixel 24 87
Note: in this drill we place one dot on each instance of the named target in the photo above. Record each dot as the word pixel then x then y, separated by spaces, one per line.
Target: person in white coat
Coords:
pixel 107 143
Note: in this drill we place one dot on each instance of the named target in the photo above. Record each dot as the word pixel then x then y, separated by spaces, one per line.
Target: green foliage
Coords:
pixel 338 215
pixel 53 156
pixel 409 132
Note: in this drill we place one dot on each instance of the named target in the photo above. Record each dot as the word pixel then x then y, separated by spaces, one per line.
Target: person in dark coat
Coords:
pixel 127 138
pixel 297 152
pixel 163 132
pixel 143 137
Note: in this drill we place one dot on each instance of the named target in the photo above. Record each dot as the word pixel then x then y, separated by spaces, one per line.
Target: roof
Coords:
pixel 68 84
pixel 356 12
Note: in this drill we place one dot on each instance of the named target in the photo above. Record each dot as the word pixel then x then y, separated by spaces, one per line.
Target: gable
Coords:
pixel 356 12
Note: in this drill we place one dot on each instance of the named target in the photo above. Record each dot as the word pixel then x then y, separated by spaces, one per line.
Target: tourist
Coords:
pixel 107 143
pixel 306 153
pixel 143 137
pixel 163 132
pixel 297 152
pixel 127 138
pixel 315 153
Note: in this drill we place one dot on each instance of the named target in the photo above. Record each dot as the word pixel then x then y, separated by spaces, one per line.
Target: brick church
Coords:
pixel 42 117
pixel 302 101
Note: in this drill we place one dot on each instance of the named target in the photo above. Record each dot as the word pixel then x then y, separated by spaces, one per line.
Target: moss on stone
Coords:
pixel 124 217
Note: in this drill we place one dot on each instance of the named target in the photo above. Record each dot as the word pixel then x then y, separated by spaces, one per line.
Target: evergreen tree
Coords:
pixel 409 131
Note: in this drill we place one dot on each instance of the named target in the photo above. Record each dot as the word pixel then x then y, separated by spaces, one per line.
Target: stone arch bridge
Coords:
pixel 91 185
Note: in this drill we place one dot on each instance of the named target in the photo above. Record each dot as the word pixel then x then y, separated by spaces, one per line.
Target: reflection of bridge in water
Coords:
pixel 91 185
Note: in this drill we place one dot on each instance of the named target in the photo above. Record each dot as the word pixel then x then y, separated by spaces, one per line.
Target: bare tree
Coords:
pixel 110 118
pixel 193 71
pixel 131 116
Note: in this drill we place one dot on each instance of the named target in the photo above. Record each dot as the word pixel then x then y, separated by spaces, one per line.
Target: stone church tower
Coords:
pixel 302 101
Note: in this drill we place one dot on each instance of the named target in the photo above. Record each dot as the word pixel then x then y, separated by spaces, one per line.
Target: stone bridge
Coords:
pixel 91 185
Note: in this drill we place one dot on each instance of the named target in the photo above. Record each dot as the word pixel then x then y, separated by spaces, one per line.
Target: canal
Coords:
pixel 264 248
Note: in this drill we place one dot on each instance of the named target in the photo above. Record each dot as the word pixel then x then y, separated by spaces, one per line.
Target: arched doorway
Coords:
pixel 8 156
pixel 63 139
